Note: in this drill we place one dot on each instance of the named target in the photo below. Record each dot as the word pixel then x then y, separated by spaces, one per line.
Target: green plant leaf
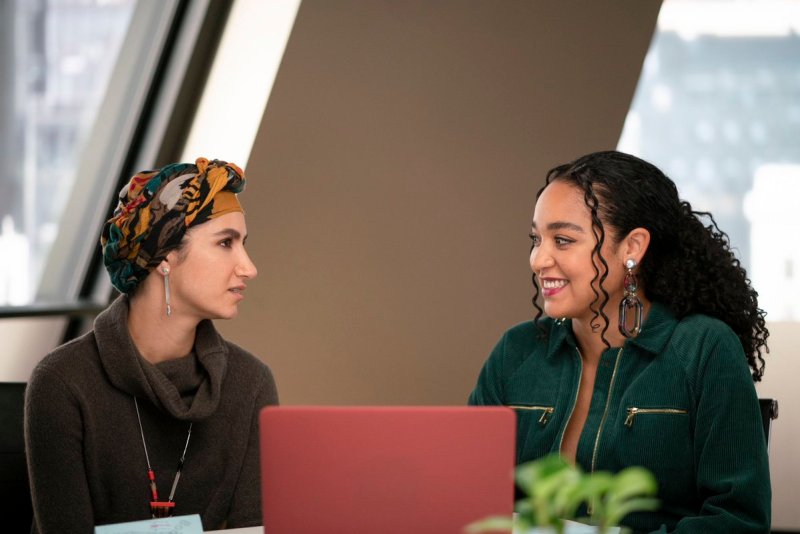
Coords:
pixel 555 489
pixel 528 474
pixel 632 482
pixel 644 504
pixel 549 486
pixel 495 523
pixel 597 484
pixel 569 497
pixel 524 510
pixel 593 492
pixel 522 507
pixel 541 479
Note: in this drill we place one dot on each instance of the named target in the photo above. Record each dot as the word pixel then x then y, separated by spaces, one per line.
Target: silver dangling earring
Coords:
pixel 630 300
pixel 166 291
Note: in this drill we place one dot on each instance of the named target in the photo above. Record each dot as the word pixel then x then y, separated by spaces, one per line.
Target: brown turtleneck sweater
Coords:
pixel 86 461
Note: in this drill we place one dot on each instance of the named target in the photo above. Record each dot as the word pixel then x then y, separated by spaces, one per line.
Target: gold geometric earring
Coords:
pixel 166 290
pixel 630 301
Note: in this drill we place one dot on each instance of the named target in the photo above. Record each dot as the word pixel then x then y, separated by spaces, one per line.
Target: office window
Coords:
pixel 57 57
pixel 718 109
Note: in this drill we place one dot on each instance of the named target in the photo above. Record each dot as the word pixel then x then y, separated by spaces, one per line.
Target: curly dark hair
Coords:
pixel 689 265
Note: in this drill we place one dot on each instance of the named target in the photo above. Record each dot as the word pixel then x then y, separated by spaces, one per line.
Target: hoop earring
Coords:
pixel 166 291
pixel 630 301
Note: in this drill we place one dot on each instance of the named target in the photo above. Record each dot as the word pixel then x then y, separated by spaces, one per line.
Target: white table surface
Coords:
pixel 245 530
pixel 260 530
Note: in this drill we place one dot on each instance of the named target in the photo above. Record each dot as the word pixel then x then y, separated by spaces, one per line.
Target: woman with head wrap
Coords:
pixel 153 413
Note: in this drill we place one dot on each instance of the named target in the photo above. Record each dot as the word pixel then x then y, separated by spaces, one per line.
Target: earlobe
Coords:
pixel 169 261
pixel 636 243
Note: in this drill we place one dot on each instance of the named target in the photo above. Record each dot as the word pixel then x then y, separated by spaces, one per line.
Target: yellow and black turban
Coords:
pixel 155 210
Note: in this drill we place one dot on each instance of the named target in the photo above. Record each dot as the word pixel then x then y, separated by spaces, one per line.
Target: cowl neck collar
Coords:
pixel 187 388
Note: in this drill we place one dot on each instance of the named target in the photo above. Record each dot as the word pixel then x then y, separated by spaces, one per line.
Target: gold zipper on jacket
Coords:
pixel 605 411
pixel 575 401
pixel 547 411
pixel 633 412
pixel 590 508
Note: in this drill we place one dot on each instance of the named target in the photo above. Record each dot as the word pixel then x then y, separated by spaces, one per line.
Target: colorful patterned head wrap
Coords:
pixel 155 210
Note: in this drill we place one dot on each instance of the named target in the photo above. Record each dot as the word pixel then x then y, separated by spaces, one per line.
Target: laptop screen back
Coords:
pixel 385 469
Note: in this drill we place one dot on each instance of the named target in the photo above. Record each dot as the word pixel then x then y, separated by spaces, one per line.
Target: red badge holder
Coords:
pixel 162 508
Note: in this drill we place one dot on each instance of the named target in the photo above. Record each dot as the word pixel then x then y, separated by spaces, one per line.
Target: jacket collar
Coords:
pixel 656 331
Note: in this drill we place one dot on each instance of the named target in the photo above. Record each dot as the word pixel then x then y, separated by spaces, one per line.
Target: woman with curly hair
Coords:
pixel 153 413
pixel 645 350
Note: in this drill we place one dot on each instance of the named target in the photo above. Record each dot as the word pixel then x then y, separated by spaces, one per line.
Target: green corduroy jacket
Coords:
pixel 678 399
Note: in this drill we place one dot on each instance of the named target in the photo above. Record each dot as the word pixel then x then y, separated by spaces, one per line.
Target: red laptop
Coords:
pixel 385 470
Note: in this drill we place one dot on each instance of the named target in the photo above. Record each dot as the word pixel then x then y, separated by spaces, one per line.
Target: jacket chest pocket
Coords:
pixel 534 431
pixel 543 412
pixel 659 438
pixel 633 411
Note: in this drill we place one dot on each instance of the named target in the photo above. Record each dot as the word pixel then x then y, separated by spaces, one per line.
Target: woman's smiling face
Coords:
pixel 561 257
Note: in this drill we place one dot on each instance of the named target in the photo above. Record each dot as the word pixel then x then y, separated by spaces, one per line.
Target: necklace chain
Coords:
pixel 159 508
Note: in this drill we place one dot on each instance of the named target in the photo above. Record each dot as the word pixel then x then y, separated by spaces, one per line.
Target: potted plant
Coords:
pixel 555 491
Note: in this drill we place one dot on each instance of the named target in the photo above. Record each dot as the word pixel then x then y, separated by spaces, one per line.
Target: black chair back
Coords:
pixel 15 497
pixel 769 411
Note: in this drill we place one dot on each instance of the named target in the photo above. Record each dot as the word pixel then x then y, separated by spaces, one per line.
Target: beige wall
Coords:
pixel 393 180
